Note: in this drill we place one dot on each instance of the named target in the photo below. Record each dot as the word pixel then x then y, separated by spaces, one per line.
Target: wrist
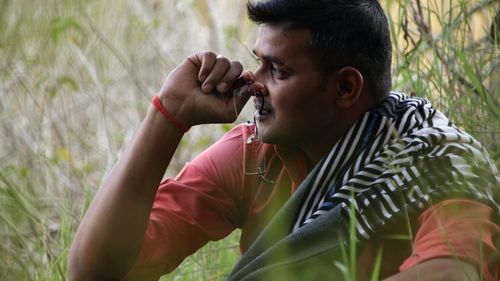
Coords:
pixel 171 116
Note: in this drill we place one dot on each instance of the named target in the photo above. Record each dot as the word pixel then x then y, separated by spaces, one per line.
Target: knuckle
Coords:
pixel 237 64
pixel 208 54
pixel 208 58
pixel 223 60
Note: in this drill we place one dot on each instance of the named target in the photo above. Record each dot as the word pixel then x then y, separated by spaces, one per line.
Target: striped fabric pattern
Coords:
pixel 398 158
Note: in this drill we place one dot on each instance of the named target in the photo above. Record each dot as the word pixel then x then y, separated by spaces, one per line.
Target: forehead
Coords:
pixel 288 44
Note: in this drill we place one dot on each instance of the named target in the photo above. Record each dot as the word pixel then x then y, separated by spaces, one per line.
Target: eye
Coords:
pixel 277 73
pixel 255 58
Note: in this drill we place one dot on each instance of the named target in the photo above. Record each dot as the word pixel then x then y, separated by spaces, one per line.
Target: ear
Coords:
pixel 349 86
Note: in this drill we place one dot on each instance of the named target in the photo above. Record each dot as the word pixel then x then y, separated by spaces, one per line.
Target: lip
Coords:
pixel 261 117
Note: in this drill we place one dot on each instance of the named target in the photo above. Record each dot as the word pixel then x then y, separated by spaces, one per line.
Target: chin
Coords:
pixel 268 133
pixel 265 136
pixel 273 138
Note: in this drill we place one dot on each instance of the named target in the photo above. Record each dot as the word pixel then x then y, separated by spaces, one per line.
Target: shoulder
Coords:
pixel 240 132
pixel 227 154
pixel 231 143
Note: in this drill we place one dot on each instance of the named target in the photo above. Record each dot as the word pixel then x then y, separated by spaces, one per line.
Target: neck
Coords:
pixel 315 149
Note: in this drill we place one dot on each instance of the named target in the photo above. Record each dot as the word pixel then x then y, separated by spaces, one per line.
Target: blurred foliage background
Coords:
pixel 77 76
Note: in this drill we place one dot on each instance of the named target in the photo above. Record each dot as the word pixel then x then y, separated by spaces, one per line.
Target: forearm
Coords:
pixel 111 233
pixel 440 269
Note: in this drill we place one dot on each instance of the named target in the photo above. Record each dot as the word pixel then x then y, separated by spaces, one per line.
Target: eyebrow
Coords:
pixel 272 59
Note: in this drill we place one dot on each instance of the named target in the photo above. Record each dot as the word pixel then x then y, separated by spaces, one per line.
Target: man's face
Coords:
pixel 298 106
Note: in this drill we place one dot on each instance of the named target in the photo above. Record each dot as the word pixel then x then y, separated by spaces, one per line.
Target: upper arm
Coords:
pixel 439 269
pixel 459 230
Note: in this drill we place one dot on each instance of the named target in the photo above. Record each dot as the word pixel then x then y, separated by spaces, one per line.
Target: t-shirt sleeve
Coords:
pixel 456 228
pixel 199 205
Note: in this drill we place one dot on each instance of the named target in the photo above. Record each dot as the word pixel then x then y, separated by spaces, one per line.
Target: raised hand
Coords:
pixel 200 89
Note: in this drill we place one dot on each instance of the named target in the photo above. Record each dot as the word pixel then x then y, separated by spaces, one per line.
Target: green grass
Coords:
pixel 77 76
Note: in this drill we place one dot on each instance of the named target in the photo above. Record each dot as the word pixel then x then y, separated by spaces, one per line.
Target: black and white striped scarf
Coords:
pixel 400 157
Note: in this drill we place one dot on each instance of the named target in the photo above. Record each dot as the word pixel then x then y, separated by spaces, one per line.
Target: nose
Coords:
pixel 258 84
pixel 259 73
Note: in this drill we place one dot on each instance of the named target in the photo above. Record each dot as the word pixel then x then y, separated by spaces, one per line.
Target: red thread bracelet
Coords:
pixel 170 118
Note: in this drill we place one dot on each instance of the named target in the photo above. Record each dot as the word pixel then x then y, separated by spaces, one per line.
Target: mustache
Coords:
pixel 242 86
pixel 259 97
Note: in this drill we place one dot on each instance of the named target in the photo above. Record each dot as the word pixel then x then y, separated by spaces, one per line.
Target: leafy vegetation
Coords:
pixel 77 76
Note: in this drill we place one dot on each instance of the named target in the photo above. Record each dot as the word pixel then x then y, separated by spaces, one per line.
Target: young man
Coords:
pixel 326 127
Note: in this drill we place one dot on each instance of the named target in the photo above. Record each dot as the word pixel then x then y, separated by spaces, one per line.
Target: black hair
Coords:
pixel 343 32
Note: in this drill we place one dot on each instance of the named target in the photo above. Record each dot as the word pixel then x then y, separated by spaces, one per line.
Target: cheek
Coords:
pixel 290 95
pixel 287 102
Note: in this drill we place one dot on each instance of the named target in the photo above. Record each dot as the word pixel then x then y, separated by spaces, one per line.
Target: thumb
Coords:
pixel 243 91
pixel 241 97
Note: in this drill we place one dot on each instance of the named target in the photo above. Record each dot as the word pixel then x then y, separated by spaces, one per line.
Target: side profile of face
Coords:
pixel 297 102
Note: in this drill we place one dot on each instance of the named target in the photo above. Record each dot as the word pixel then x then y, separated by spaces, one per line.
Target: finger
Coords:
pixel 208 60
pixel 219 69
pixel 241 99
pixel 246 91
pixel 231 79
pixel 258 87
pixel 238 88
pixel 248 76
